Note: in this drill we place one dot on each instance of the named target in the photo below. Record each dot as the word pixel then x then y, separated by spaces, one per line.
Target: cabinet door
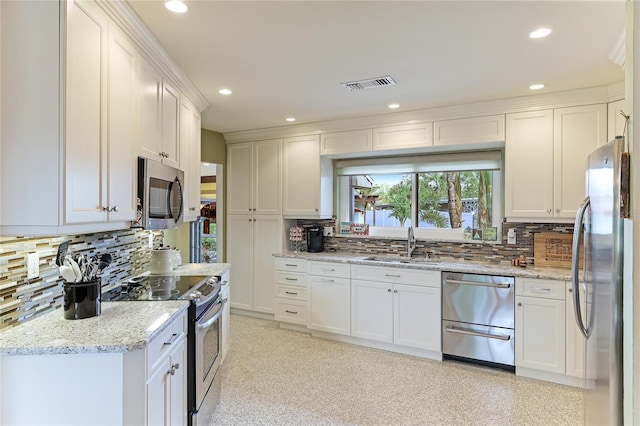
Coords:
pixel 122 114
pixel 529 165
pixel 190 157
pixel 226 317
pixel 159 395
pixel 403 137
pixel 240 254
pixel 416 317
pixel 372 310
pixel 239 176
pixel 149 96
pixel 469 130
pixel 346 142
pixel 577 132
pixel 178 386
pixel 330 304
pixel 170 111
pixel 540 334
pixel 267 177
pixel 576 343
pixel 85 197
pixel 301 176
pixel 267 239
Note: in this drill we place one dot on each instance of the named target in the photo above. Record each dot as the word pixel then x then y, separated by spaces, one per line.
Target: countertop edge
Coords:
pixel 434 265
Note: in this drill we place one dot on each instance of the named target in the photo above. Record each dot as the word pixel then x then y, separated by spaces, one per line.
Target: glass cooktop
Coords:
pixel 155 287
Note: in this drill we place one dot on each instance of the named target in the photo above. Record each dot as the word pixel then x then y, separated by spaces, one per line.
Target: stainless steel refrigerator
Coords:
pixel 597 283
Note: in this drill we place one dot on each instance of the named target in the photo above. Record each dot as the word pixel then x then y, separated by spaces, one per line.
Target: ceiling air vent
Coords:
pixel 369 83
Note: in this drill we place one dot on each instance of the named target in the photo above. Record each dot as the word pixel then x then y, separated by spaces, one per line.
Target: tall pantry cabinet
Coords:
pixel 254 221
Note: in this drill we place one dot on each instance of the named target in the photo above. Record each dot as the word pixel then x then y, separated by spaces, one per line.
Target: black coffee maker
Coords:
pixel 315 243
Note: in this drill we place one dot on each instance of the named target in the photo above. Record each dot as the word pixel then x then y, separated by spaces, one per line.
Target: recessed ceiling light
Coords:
pixel 290 119
pixel 394 106
pixel 224 91
pixel 176 6
pixel 536 86
pixel 539 33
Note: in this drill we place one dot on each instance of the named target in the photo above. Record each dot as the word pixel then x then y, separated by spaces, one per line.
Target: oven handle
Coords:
pixel 463 282
pixel 476 333
pixel 213 319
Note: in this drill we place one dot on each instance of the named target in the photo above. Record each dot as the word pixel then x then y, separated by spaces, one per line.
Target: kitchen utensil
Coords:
pixel 75 268
pixel 67 273
pixel 62 253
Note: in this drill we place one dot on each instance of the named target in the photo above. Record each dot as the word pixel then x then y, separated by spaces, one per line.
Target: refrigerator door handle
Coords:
pixel 575 262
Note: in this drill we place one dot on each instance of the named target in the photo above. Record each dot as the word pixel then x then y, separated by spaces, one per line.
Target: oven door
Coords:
pixel 208 334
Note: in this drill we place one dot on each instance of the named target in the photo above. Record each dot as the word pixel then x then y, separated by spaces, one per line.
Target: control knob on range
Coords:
pixel 195 296
pixel 212 280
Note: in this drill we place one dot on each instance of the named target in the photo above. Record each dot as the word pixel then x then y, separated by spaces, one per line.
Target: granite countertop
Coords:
pixel 201 269
pixel 121 327
pixel 451 265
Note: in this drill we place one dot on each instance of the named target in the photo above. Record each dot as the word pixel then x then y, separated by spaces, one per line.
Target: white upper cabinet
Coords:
pixel 307 179
pixel 469 130
pixel 254 173
pixel 190 158
pixel 403 137
pixel 529 164
pixel 353 141
pixel 577 131
pixel 158 114
pixel 545 159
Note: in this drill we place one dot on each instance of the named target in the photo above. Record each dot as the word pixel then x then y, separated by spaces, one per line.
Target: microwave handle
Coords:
pixel 176 186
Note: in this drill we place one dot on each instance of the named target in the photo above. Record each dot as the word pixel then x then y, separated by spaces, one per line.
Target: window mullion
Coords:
pixel 414 200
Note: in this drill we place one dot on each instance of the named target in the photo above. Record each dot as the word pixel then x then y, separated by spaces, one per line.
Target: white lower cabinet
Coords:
pixel 540 325
pixel 407 314
pixel 330 297
pixel 166 389
pixel 252 239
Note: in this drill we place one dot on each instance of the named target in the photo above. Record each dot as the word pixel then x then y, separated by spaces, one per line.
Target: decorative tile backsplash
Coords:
pixel 22 299
pixel 493 252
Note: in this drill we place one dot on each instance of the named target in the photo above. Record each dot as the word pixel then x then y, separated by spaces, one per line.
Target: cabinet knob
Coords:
pixel 192 209
pixel 174 367
pixel 570 290
pixel 549 211
pixel 316 209
pixel 113 209
pixel 557 210
pixel 519 303
pixel 389 290
pixel 395 291
pixel 105 209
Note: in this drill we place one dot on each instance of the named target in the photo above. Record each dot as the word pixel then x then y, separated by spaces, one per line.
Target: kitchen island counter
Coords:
pixel 121 327
pixel 439 264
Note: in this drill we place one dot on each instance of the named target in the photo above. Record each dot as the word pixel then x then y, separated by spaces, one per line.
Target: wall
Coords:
pixel 214 147
pixel 22 299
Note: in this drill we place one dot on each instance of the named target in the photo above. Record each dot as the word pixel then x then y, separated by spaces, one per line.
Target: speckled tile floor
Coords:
pixel 280 377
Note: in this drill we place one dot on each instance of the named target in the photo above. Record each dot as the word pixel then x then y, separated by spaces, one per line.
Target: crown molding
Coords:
pixel 151 48
pixel 587 96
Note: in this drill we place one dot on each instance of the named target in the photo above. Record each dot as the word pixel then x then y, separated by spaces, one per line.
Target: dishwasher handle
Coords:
pixel 450 329
pixel 465 282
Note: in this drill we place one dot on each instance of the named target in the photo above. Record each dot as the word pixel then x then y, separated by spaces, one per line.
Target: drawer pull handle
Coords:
pixel 291 279
pixel 540 289
pixel 328 269
pixel 291 312
pixel 289 264
pixel 327 280
pixel 462 282
pixel 392 275
pixel 172 340
pixel 291 292
pixel 174 367
pixel 476 333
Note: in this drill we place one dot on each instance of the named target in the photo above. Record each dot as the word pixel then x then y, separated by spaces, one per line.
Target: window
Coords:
pixel 454 192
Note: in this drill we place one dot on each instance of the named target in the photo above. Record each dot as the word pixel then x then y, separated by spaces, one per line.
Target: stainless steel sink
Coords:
pixel 398 259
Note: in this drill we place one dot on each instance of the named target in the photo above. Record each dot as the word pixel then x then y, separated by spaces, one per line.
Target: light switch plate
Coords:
pixel 33 265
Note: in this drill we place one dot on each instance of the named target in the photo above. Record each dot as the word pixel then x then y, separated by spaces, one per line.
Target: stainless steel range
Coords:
pixel 204 332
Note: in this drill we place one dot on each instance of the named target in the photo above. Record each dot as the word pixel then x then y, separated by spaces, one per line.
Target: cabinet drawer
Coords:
pixel 330 269
pixel 292 265
pixel 291 278
pixel 162 345
pixel 546 289
pixel 289 292
pixel 396 275
pixel 292 311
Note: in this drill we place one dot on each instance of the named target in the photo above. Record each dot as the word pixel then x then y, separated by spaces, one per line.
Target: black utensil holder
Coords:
pixel 82 300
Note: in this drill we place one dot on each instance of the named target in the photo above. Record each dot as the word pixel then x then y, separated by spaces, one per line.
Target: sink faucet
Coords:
pixel 411 242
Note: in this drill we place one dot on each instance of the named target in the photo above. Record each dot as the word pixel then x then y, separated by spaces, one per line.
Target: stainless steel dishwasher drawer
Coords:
pixel 480 342
pixel 478 299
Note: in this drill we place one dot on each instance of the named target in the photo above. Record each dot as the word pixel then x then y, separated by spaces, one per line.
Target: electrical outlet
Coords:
pixel 150 240
pixel 33 265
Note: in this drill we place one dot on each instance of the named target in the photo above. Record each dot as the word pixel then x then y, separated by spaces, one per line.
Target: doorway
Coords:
pixel 211 223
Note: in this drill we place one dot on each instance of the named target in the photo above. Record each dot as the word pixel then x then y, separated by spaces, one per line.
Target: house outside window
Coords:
pixel 441 196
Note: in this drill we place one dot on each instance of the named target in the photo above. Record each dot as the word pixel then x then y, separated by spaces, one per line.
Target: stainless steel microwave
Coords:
pixel 160 195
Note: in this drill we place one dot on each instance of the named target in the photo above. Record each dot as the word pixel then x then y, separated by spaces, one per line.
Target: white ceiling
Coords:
pixel 285 59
